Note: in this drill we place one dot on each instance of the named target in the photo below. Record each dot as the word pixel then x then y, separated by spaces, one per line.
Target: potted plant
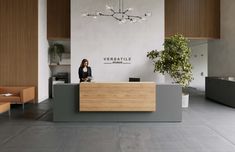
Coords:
pixel 56 50
pixel 174 60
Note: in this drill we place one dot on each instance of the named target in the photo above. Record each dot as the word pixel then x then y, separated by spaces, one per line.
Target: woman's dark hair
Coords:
pixel 83 62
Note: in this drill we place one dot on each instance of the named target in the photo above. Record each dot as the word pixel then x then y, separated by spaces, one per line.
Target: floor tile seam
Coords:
pixel 85 126
pixel 214 130
pixel 206 121
pixel 119 139
pixel 71 126
pixel 149 138
pixel 63 145
pixel 41 116
pixel 202 119
pixel 58 149
pixel 61 125
pixel 220 134
pixel 15 135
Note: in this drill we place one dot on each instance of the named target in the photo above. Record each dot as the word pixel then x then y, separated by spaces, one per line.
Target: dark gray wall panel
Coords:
pixel 221 90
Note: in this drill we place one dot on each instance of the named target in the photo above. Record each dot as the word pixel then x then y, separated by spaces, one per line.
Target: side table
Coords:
pixel 4 107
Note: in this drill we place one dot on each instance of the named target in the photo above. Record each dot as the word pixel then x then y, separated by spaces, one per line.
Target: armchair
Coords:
pixel 20 95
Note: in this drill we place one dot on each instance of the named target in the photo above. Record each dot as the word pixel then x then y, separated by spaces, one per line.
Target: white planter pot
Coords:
pixel 160 78
pixel 185 100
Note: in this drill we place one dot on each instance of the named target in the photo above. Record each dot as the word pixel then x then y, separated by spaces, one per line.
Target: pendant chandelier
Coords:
pixel 121 15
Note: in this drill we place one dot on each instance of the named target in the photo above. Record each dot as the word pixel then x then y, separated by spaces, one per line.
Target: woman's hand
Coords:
pixel 84 79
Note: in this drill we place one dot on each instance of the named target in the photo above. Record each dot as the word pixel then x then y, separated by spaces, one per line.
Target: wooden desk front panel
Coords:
pixel 117 97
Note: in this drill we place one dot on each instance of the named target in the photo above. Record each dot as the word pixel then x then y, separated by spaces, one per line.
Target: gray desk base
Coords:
pixel 67 98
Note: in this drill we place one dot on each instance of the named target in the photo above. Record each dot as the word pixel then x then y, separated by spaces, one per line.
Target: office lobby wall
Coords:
pixel 221 53
pixel 103 38
pixel 43 69
pixel 19 42
pixel 199 61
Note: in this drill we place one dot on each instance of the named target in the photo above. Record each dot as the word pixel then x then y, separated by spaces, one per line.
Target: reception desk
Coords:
pixel 119 96
pixel 127 102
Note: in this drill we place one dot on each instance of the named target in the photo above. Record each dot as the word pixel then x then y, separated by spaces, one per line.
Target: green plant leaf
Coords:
pixel 174 59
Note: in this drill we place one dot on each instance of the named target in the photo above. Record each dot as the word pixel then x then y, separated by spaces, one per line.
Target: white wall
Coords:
pixel 43 69
pixel 104 37
pixel 221 61
pixel 199 61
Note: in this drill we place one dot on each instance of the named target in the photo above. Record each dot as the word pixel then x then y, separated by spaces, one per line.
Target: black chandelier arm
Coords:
pixel 125 11
pixel 117 18
pixel 132 16
pixel 112 10
pixel 101 14
pixel 91 15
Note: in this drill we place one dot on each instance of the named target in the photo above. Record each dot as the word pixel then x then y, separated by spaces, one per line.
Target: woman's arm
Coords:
pixel 80 73
pixel 89 72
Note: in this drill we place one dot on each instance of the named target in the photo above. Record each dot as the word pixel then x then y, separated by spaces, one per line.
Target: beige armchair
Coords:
pixel 19 95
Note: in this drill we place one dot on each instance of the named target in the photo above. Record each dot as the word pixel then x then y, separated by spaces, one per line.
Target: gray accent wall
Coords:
pixel 221 53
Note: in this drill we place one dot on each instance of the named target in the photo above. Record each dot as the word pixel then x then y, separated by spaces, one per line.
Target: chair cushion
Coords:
pixel 9 99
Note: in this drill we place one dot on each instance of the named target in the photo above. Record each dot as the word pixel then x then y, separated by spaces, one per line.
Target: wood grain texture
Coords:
pixel 4 106
pixel 117 97
pixel 58 19
pixel 19 42
pixel 193 18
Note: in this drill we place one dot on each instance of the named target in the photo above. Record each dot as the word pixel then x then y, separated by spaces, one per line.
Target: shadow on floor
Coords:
pixel 42 111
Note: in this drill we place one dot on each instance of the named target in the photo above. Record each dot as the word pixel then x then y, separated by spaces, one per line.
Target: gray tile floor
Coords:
pixel 206 127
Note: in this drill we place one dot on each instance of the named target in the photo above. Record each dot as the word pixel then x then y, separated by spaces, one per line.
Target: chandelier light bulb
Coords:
pixel 134 20
pixel 140 21
pixel 120 22
pixel 123 21
pixel 98 13
pixel 84 14
pixel 148 14
pixel 130 9
pixel 108 7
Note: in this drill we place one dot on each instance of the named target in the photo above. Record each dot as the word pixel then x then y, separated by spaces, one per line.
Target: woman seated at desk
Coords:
pixel 84 71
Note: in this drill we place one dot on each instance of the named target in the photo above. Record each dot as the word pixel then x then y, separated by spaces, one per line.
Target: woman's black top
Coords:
pixel 83 74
